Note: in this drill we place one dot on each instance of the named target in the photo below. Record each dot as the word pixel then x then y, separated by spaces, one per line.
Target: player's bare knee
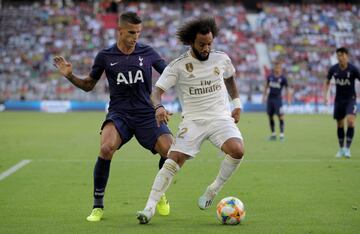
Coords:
pixel 351 121
pixel 351 124
pixel 340 123
pixel 237 153
pixel 237 150
pixel 162 150
pixel 107 151
pixel 234 147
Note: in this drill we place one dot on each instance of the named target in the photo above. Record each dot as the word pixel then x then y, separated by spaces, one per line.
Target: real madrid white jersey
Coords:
pixel 200 84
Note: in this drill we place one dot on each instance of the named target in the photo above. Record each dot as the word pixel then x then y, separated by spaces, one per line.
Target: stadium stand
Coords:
pixel 304 36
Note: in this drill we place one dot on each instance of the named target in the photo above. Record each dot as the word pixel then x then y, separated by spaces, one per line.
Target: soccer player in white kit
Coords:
pixel 204 80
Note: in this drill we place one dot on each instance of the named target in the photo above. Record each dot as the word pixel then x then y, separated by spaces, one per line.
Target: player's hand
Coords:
pixel 236 114
pixel 162 116
pixel 62 65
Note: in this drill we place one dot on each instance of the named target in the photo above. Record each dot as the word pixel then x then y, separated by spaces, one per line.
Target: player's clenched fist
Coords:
pixel 236 114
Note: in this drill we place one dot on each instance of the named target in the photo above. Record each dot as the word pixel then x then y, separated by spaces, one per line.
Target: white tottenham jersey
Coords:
pixel 200 84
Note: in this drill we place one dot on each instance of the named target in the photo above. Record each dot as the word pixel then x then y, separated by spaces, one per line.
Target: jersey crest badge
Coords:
pixel 216 71
pixel 141 61
pixel 189 67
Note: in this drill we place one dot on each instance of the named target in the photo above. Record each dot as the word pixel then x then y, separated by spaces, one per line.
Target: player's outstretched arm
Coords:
pixel 326 91
pixel 234 94
pixel 161 114
pixel 288 95
pixel 266 88
pixel 65 68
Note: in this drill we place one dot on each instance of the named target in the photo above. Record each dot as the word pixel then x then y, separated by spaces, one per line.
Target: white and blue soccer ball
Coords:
pixel 230 210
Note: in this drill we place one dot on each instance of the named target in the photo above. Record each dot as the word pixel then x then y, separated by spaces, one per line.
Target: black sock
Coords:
pixel 101 175
pixel 281 121
pixel 341 135
pixel 272 125
pixel 349 136
pixel 161 162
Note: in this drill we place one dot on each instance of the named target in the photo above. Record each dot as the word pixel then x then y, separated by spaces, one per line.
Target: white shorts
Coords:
pixel 192 133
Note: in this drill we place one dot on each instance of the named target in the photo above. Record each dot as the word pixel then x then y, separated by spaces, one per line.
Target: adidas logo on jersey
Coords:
pixel 190 76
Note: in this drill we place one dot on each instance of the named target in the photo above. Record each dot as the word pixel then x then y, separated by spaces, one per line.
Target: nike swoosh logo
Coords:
pixel 112 64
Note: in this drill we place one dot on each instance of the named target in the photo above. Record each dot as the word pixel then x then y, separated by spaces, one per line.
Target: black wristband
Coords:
pixel 158 106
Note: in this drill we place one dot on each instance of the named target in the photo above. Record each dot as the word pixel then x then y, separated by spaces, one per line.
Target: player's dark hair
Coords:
pixel 129 17
pixel 188 31
pixel 342 50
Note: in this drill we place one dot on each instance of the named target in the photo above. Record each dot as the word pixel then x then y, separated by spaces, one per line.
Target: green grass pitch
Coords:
pixel 296 186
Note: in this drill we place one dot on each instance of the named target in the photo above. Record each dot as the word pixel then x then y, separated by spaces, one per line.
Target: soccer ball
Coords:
pixel 230 210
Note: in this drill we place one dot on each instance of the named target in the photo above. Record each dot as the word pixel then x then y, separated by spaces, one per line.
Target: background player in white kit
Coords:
pixel 203 79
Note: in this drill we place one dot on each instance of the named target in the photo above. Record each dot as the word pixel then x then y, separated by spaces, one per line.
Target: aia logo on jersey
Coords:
pixel 342 82
pixel 132 78
pixel 275 84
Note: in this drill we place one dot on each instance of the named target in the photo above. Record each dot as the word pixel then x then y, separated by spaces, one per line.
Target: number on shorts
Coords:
pixel 182 132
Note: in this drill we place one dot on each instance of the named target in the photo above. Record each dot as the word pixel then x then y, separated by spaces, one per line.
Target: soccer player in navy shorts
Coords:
pixel 344 75
pixel 274 85
pixel 128 68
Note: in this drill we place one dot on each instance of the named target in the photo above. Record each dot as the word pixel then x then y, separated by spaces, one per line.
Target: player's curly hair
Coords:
pixel 203 25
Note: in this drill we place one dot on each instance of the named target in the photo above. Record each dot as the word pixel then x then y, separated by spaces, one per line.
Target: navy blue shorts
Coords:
pixel 145 129
pixel 343 108
pixel 274 106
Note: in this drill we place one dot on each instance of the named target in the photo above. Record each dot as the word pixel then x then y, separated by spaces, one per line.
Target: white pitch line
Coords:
pixel 14 169
pixel 208 160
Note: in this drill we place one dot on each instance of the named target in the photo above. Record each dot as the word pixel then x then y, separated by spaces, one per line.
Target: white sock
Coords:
pixel 227 168
pixel 161 183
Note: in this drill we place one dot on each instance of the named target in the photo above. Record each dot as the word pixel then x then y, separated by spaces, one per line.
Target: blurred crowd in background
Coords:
pixel 304 37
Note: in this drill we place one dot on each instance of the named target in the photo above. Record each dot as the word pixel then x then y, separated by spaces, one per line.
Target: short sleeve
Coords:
pixel 330 74
pixel 285 82
pixel 97 67
pixel 356 73
pixel 229 68
pixel 168 78
pixel 158 62
pixel 159 66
